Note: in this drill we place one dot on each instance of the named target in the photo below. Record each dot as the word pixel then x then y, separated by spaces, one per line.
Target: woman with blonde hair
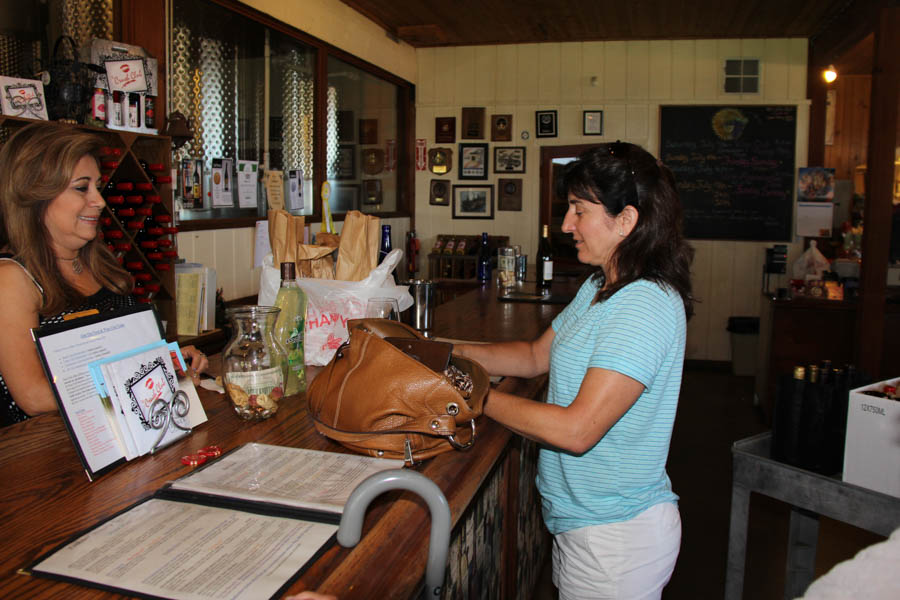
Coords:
pixel 52 263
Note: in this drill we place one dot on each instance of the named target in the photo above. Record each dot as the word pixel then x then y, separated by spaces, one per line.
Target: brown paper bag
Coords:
pixel 285 233
pixel 315 261
pixel 358 251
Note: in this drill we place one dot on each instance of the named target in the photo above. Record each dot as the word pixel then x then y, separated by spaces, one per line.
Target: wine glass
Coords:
pixel 383 308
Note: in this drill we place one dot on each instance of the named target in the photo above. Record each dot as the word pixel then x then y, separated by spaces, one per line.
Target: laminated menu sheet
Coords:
pixel 244 526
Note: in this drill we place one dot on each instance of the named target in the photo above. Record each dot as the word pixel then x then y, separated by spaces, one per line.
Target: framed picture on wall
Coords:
pixel 472 123
pixel 593 122
pixel 368 131
pixel 501 128
pixel 440 193
pixel 509 192
pixel 509 159
pixel 473 202
pixel 445 130
pixel 545 123
pixel 345 162
pixel 473 161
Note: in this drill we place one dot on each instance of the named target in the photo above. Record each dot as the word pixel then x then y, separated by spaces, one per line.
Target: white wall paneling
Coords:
pixel 632 79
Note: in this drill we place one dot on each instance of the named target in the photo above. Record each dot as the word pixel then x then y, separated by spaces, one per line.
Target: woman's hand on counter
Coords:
pixel 197 363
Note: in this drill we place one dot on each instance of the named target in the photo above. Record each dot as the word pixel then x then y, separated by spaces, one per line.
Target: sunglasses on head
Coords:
pixel 619 150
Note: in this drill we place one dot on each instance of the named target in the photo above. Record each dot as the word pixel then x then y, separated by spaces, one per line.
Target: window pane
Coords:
pixel 217 83
pixel 361 139
pixel 291 98
pixel 751 85
pixel 732 67
pixel 751 67
pixel 733 85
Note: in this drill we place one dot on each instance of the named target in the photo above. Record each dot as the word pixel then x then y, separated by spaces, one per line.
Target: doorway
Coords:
pixel 553 209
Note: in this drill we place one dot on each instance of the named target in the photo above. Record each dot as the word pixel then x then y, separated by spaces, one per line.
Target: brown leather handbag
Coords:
pixel 376 399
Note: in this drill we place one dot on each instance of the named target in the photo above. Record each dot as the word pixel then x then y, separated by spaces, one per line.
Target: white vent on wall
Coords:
pixel 741 76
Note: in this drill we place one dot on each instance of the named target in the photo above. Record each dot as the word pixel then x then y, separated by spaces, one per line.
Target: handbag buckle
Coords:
pixel 407 452
pixel 468 444
pixel 341 348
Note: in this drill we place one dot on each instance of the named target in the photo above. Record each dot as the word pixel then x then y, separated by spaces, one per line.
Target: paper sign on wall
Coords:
pixel 247 177
pixel 222 182
pixel 294 185
pixel 274 190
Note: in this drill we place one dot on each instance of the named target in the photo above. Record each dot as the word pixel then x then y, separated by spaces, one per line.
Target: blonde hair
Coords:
pixel 36 165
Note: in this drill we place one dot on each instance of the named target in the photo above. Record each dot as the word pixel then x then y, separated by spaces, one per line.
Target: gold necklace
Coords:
pixel 76 264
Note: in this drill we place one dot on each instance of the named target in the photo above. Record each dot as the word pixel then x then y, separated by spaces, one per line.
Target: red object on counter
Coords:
pixel 125 212
pixel 115 200
pixel 125 186
pixel 134 199
pixel 143 277
pixel 157 231
pixel 136 224
pixel 109 164
pixel 144 187
pixel 134 265
pixel 114 234
pixel 154 199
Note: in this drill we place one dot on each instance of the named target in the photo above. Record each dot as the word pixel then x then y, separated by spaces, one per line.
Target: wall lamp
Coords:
pixel 829 74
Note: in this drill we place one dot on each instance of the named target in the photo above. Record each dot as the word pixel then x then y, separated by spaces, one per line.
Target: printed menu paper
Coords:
pixel 247 183
pixel 243 526
pixel 66 350
pixel 294 477
pixel 173 549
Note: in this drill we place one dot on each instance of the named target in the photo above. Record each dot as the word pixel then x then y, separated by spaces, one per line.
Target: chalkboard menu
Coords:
pixel 734 167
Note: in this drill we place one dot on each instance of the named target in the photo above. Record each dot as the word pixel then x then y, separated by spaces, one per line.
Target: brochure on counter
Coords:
pixel 101 420
pixel 243 526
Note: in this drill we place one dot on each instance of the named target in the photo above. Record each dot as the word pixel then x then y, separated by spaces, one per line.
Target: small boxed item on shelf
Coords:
pixel 872 447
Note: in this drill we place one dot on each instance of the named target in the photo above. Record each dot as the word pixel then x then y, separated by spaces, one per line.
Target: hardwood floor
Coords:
pixel 715 410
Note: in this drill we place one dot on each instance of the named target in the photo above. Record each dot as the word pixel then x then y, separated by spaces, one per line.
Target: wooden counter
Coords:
pixel 46 497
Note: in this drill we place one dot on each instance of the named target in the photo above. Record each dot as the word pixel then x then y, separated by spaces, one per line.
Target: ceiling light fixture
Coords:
pixel 829 74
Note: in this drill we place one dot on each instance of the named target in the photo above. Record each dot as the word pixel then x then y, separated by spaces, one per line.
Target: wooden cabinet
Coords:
pixel 151 193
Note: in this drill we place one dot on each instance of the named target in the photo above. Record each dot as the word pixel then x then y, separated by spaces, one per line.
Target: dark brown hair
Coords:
pixel 618 175
pixel 36 165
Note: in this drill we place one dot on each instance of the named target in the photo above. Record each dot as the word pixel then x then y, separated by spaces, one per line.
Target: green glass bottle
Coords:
pixel 290 327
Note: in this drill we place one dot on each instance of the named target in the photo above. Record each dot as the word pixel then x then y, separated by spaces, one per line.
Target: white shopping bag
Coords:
pixel 332 303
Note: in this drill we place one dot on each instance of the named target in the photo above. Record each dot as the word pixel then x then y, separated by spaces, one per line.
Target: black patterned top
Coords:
pixel 104 301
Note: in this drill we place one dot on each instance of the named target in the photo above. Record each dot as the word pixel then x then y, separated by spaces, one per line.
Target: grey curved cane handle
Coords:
pixel 402 479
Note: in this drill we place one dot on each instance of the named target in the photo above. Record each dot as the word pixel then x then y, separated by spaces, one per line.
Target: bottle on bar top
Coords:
pixel 385 247
pixel 412 253
pixel 545 261
pixel 484 260
pixel 290 327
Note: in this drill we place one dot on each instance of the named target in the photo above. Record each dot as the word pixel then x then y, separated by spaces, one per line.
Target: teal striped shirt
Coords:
pixel 639 332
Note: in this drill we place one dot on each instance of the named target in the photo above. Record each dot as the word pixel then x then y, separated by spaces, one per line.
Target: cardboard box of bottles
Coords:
pixel 872 445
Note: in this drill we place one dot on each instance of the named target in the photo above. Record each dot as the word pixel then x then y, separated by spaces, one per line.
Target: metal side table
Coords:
pixel 810 496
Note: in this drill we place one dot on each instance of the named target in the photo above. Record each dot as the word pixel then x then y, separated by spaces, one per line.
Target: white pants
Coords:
pixel 629 560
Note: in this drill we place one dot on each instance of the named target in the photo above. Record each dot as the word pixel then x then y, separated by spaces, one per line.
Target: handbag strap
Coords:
pixel 59 42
